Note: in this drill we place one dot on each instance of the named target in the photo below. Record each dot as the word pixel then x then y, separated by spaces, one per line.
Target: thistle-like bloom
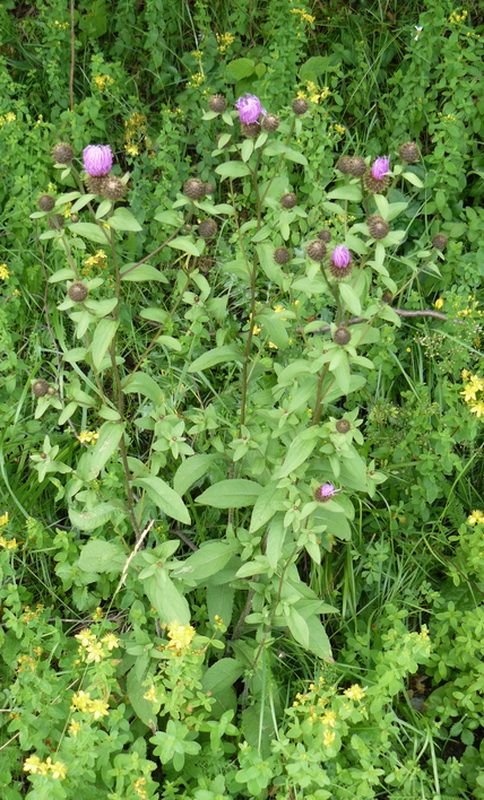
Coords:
pixel 341 256
pixel 325 492
pixel 98 159
pixel 249 108
pixel 380 168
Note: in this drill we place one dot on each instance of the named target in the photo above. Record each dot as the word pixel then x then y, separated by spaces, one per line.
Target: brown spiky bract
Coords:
pixel 377 226
pixel 300 105
pixel 62 153
pixel 207 229
pixel 325 236
pixel 316 250
pixel 341 336
pixel 282 255
pixel 78 292
pixel 288 200
pixel 374 185
pixel 40 388
pixel 113 188
pixel 409 152
pixel 46 202
pixel 270 123
pixel 440 241
pixel 194 189
pixel 217 103
pixel 343 426
pixel 357 166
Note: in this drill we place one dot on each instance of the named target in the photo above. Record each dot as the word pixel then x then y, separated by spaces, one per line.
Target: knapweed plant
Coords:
pixel 204 462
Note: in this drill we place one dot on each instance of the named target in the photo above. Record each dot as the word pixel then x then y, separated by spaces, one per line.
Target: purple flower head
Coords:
pixel 325 492
pixel 380 168
pixel 249 108
pixel 341 256
pixel 98 159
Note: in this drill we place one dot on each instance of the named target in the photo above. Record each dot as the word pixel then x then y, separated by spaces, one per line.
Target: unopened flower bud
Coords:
pixel 194 188
pixel 377 226
pixel 288 200
pixel 78 292
pixel 112 188
pixel 325 236
pixel 316 250
pixel 282 255
pixel 62 153
pixel 217 103
pixel 270 123
pixel 341 336
pixel 409 152
pixel 250 130
pixel 300 105
pixel 56 222
pixel 344 165
pixel 94 184
pixel 440 241
pixel 40 388
pixel 207 229
pixel 387 297
pixel 343 426
pixel 357 166
pixel 46 202
pixel 209 188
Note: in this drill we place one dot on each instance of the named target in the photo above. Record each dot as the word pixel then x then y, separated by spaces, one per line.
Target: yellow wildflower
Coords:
pixel 56 768
pixel 8 544
pixel 110 640
pixel 131 149
pixel 4 273
pixel 478 409
pixel 439 303
pixel 339 129
pixel 273 346
pixel 329 718
pixel 4 519
pixel 224 40
pixel 98 614
pixel 85 637
pixel 88 437
pixel 355 692
pixel 180 636
pixel 476 518
pixel 102 80
pixel 32 764
pixel 81 701
pixel 98 708
pixel 74 728
pixel 328 737
pixel 138 787
pixel 95 653
pixel 256 329
pixel 151 695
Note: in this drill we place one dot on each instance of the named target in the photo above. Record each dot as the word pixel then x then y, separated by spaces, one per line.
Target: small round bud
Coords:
pixel 300 105
pixel 207 229
pixel 270 123
pixel 217 103
pixel 194 188
pixel 377 226
pixel 357 166
pixel 344 165
pixel 316 250
pixel 288 200
pixel 343 426
pixel 40 388
pixel 250 129
pixel 62 153
pixel 282 255
pixel 51 391
pixel 113 188
pixel 74 218
pixel 440 241
pixel 341 336
pixel 78 292
pixel 209 188
pixel 94 184
pixel 409 152
pixel 56 222
pixel 325 236
pixel 46 202
pixel 387 297
pixel 204 263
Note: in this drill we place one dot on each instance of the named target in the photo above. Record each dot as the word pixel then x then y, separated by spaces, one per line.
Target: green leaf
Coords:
pixel 235 493
pixel 350 298
pixel 145 272
pixel 104 333
pixel 110 435
pixel 232 169
pixel 298 626
pixel 208 560
pixel 240 68
pixel 165 498
pixel 313 68
pixel 219 355
pixel 145 385
pixel 135 690
pixel 88 230
pixel 95 517
pixel 100 556
pixel 191 470
pixel 351 192
pixel 221 675
pixel 265 507
pixel 275 541
pixel 165 597
pixel 413 179
pixel 318 638
pixel 247 149
pixel 186 244
pixel 123 220
pixel 301 448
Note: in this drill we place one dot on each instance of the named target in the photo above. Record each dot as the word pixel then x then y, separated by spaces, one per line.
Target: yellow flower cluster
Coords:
pixel 439 303
pixel 88 437
pixel 196 80
pixel 135 135
pixel 151 695
pixel 476 518
pixel 61 25
pixel 180 637
pixel 355 692
pixel 56 769
pixel 7 544
pixel 315 94
pixel 81 701
pixel 473 386
pixel 8 117
pixel 303 14
pixel 339 129
pixel 26 662
pixel 74 728
pixel 224 40
pixel 138 787
pixel 93 650
pixel 4 519
pixel 29 614
pixel 4 273
pixel 98 261
pixel 102 81
pixel 455 17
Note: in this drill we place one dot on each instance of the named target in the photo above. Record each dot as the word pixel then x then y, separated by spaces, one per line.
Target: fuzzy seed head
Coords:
pixel 270 123
pixel 112 188
pixel 325 236
pixel 300 105
pixel 316 250
pixel 440 241
pixel 46 202
pixel 250 130
pixel 387 297
pixel 78 292
pixel 377 226
pixel 94 185
pixel 209 188
pixel 343 165
pixel 194 188
pixel 56 222
pixel 341 336
pixel 288 200
pixel 409 152
pixel 357 166
pixel 375 185
pixel 343 426
pixel 282 255
pixel 40 388
pixel 217 103
pixel 62 153
pixel 207 229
